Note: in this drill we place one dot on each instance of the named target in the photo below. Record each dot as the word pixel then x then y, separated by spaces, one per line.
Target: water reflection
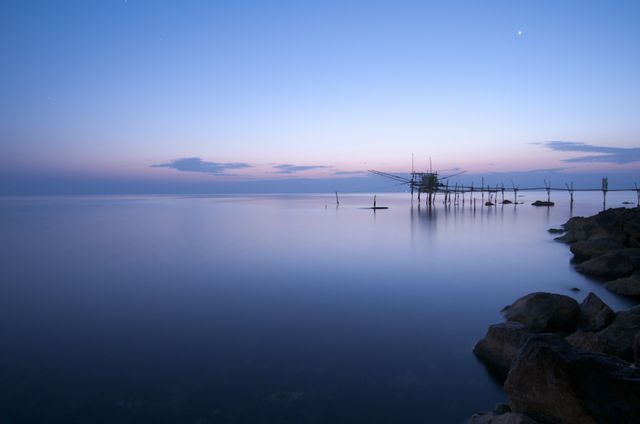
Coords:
pixel 263 308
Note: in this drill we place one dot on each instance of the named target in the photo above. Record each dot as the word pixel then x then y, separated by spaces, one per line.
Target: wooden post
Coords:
pixel 547 187
pixel 638 193
pixel 502 188
pixel 482 190
pixel 515 192
pixel 605 188
pixel 337 200
pixel 570 188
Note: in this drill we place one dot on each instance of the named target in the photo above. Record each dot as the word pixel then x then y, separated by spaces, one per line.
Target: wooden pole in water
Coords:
pixel 374 201
pixel 482 190
pixel 515 192
pixel 605 188
pixel 570 188
pixel 502 188
pixel 547 187
pixel 337 200
pixel 638 193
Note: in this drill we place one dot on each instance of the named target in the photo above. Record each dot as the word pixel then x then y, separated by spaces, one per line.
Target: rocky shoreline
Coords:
pixel 570 362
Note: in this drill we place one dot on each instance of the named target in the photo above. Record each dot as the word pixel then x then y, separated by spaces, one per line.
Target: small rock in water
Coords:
pixel 488 203
pixel 627 203
pixel 574 289
pixel 542 203
pixel 556 230
pixel 507 202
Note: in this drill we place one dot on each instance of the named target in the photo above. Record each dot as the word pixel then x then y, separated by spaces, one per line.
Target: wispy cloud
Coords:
pixel 619 155
pixel 292 169
pixel 199 165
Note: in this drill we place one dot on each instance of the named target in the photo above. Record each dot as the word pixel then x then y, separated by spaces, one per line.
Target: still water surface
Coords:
pixel 264 309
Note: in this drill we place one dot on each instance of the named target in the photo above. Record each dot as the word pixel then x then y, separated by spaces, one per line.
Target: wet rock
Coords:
pixel 506 202
pixel 609 265
pixel 545 312
pixel 556 230
pixel 631 227
pixel 553 382
pixel 587 249
pixel 502 343
pixel 617 339
pixel 586 340
pixel 505 418
pixel 608 233
pixel 627 286
pixel 595 314
pixel 542 203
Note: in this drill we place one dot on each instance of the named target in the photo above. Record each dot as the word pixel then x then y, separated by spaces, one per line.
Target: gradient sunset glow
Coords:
pixel 178 92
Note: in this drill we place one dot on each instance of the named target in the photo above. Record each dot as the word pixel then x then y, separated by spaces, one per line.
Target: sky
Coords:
pixel 216 96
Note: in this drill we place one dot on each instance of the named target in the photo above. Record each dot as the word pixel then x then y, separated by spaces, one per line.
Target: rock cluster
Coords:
pixel 570 362
pixel 608 247
pixel 567 362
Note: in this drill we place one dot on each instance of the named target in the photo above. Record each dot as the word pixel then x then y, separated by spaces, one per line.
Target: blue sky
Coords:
pixel 149 93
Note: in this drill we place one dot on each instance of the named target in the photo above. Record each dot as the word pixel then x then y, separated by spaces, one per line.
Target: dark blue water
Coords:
pixel 263 309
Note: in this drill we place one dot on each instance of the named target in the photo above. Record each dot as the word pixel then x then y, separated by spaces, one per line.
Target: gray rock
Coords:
pixel 545 312
pixel 587 340
pixel 631 227
pixel 627 286
pixel 502 343
pixel 618 337
pixel 506 418
pixel 553 382
pixel 594 247
pixel 543 203
pixel 556 230
pixel 609 265
pixel 595 314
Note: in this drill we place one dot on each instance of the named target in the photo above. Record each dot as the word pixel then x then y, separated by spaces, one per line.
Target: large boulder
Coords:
pixel 587 340
pixel 595 314
pixel 618 337
pixel 544 312
pixel 553 382
pixel 628 286
pixel 614 264
pixel 577 228
pixel 587 249
pixel 502 343
pixel 631 227
pixel 620 224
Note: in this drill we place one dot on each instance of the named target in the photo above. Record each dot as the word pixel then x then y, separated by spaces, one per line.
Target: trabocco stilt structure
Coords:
pixel 431 183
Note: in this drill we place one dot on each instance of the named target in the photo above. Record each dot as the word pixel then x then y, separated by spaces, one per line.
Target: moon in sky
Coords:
pixel 519 33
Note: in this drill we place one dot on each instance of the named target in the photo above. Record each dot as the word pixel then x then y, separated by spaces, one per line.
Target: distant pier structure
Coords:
pixel 431 183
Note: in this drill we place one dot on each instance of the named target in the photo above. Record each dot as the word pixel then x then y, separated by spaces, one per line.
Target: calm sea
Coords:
pixel 264 309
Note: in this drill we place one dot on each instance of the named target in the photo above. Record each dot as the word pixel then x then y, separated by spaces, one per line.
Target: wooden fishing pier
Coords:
pixel 431 184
